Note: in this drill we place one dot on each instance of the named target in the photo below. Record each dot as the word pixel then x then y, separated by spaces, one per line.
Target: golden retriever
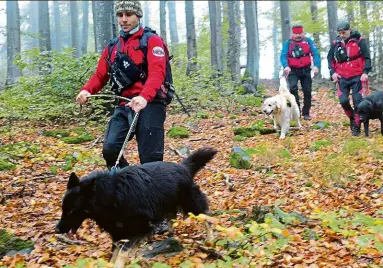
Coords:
pixel 283 107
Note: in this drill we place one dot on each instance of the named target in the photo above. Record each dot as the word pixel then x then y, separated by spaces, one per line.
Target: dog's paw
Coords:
pixel 282 137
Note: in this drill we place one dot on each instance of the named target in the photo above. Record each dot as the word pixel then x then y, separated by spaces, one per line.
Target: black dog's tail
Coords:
pixel 198 159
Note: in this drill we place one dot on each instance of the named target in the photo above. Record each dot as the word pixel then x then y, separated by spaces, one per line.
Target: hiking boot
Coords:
pixel 356 130
pixel 307 117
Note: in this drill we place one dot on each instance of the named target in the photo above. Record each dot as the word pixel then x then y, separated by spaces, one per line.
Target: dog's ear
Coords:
pixel 73 181
pixel 87 187
pixel 278 104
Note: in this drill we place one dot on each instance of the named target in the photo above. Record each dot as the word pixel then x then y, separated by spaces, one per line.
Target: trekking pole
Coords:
pixel 109 96
pixel 182 105
pixel 113 170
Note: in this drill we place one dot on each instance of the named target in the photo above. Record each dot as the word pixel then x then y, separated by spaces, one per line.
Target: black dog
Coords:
pixel 126 204
pixel 371 107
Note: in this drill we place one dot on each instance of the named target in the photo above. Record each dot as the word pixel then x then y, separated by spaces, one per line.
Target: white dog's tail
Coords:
pixel 283 85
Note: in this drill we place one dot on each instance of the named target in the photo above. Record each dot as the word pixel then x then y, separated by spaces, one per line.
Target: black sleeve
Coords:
pixel 330 59
pixel 366 55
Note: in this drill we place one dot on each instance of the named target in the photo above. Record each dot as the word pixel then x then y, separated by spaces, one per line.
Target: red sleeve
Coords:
pixel 156 68
pixel 100 77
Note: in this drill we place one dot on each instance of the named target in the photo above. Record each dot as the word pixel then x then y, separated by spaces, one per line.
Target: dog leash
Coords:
pixel 113 170
pixel 365 89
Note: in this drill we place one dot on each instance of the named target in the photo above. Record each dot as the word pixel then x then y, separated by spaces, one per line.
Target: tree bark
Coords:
pixel 57 21
pixel 103 23
pixel 332 19
pixel 276 45
pixel 363 12
pixel 252 37
pixel 85 27
pixel 191 38
pixel 74 29
pixel 350 12
pixel 163 20
pixel 44 28
pixel 234 41
pixel 173 22
pixel 216 36
pixel 94 24
pixel 13 40
pixel 285 20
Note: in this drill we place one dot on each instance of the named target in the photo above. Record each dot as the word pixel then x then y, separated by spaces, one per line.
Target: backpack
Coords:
pixel 340 54
pixel 167 90
pixel 297 50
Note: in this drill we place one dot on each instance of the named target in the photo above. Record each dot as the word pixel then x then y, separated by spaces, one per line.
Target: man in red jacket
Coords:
pixel 142 88
pixel 349 63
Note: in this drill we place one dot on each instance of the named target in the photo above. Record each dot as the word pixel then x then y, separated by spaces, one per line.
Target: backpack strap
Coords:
pixel 111 45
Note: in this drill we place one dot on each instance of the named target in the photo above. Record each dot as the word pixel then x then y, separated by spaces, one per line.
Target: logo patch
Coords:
pixel 158 52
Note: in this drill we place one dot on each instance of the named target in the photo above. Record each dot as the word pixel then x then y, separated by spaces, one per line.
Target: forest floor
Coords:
pixel 331 180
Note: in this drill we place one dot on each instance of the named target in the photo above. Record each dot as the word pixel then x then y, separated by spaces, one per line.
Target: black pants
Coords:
pixel 149 133
pixel 303 75
pixel 354 85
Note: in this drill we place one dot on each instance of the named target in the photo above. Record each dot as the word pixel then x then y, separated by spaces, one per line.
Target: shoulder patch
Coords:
pixel 158 52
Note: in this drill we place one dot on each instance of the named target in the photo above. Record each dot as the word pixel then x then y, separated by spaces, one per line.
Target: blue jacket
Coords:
pixel 312 49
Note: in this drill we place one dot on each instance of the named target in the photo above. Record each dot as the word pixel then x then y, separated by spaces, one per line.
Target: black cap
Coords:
pixel 343 26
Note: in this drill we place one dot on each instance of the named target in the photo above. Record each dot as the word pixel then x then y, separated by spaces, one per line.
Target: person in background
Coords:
pixel 299 56
pixel 349 63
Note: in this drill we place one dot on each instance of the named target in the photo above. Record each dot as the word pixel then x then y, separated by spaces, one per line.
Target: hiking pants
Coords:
pixel 303 75
pixel 149 133
pixel 354 85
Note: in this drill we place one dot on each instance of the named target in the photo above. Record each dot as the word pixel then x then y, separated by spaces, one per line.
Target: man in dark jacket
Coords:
pixel 296 57
pixel 150 126
pixel 349 63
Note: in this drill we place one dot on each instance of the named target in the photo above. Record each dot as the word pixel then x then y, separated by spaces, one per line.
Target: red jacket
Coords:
pixel 156 67
pixel 355 65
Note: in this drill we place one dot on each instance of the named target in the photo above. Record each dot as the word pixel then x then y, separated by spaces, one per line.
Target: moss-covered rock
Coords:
pixel 240 161
pixel 78 139
pixel 246 131
pixel 57 133
pixel 10 242
pixel 5 165
pixel 239 138
pixel 320 125
pixel 178 132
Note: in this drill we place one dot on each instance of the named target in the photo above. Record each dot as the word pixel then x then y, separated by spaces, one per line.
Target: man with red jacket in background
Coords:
pixel 349 63
pixel 125 53
pixel 296 57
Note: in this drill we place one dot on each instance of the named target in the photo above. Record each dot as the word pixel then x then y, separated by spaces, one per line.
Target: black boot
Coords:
pixel 355 130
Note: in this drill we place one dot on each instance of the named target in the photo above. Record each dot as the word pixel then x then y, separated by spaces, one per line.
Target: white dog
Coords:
pixel 283 107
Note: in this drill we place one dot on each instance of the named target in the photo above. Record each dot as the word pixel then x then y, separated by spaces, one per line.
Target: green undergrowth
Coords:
pixel 178 132
pixel 10 242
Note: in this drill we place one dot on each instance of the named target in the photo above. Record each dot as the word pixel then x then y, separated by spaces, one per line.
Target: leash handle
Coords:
pixel 132 126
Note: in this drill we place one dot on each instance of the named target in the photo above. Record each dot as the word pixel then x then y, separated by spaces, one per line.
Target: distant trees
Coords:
pixel 332 13
pixel 191 38
pixel 13 40
pixel 44 28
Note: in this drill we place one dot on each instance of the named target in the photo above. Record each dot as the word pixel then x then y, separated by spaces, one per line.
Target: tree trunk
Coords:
pixel 94 24
pixel 44 29
pixel 13 40
pixel 234 41
pixel 332 19
pixel 146 21
pixel 314 17
pixel 216 36
pixel 163 20
pixel 173 22
pixel 190 38
pixel 285 20
pixel 85 27
pixel 252 38
pixel 74 29
pixel 363 13
pixel 34 22
pixel 103 23
pixel 57 19
pixel 350 12
pixel 276 46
